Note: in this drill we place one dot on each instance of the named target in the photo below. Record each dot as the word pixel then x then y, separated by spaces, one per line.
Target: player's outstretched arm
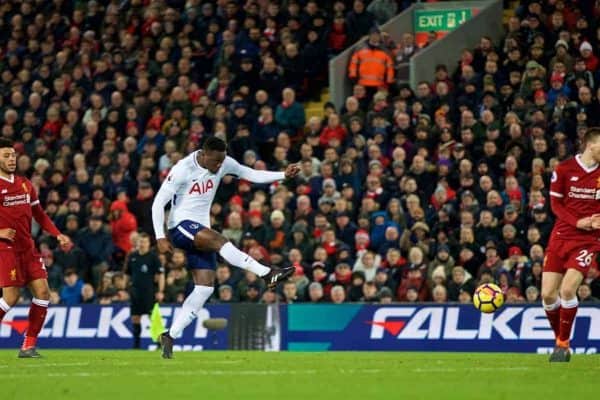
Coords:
pixel 48 226
pixel 258 176
pixel 44 220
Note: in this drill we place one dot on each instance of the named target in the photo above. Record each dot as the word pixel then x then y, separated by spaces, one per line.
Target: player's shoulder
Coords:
pixel 229 165
pixel 570 164
pixel 229 161
pixel 20 180
pixel 184 165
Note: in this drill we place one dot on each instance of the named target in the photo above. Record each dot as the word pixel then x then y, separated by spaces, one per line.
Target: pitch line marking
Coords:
pixel 471 368
pixel 53 364
pixel 187 373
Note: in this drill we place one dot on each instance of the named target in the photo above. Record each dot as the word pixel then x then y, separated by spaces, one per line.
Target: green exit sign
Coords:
pixel 440 20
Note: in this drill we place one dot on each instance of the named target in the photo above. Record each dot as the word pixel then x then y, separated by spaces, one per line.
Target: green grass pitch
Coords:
pixel 87 375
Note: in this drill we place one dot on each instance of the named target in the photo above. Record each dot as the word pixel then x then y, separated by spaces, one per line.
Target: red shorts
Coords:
pixel 564 254
pixel 20 268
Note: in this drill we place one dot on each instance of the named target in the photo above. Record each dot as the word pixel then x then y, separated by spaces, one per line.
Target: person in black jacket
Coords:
pixel 97 245
pixel 271 79
pixel 146 273
pixel 460 282
pixel 359 21
pixel 246 75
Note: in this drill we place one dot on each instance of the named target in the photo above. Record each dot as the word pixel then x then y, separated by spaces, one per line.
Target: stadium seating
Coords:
pixel 404 192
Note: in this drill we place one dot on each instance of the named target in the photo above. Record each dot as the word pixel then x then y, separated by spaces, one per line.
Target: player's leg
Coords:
pixel 568 304
pixel 11 281
pixel 37 316
pixel 10 296
pixel 210 240
pixel 550 298
pixel 203 267
pixel 36 277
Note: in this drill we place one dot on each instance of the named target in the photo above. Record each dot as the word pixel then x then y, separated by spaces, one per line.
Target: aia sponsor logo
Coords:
pixel 201 187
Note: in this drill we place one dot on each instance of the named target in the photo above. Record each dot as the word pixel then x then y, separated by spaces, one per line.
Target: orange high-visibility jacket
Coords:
pixel 372 67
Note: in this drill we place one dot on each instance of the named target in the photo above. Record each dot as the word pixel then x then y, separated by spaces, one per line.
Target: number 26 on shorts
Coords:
pixel 584 258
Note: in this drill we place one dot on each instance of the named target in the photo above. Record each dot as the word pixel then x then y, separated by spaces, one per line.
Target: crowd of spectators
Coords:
pixel 403 196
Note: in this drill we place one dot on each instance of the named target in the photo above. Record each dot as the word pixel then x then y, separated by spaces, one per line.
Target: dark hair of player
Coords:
pixel 214 144
pixel 4 142
pixel 592 134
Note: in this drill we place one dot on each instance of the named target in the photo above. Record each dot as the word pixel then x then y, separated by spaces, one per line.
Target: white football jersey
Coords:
pixel 191 190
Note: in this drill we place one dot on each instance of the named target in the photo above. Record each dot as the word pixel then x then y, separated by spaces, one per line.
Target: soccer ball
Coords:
pixel 488 298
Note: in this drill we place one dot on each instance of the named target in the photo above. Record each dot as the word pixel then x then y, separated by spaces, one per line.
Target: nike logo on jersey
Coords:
pixel 574 178
pixel 4 191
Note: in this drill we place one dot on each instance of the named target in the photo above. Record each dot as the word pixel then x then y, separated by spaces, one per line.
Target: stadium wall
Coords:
pixel 340 86
pixel 487 22
pixel 309 327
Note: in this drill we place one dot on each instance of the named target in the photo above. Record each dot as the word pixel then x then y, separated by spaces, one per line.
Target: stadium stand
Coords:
pixel 404 195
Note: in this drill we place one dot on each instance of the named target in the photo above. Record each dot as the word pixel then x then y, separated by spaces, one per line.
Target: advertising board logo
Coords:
pixel 102 322
pixel 19 326
pixel 437 322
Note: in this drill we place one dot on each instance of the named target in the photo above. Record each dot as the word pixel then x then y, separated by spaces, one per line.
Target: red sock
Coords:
pixel 568 310
pixel 553 314
pixel 554 318
pixel 37 316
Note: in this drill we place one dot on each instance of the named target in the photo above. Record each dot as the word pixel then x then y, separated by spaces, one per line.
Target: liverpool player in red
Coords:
pixel 574 242
pixel 20 264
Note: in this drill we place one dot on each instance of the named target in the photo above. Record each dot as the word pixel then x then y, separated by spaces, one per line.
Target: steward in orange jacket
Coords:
pixel 370 65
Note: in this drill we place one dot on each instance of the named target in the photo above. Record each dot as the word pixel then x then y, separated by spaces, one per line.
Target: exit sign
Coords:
pixel 440 20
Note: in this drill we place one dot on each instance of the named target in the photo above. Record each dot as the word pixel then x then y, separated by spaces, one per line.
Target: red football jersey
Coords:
pixel 575 190
pixel 17 196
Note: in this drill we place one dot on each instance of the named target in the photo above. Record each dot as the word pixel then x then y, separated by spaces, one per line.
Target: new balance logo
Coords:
pixel 4 191
pixel 574 178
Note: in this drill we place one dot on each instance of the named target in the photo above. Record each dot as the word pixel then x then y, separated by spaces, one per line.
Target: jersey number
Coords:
pixel 584 258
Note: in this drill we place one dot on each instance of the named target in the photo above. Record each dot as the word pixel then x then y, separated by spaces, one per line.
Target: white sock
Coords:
pixel 572 303
pixel 236 257
pixel 41 303
pixel 552 307
pixel 190 308
pixel 4 305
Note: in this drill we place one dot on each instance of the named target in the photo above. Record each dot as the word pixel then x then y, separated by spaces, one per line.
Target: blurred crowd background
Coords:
pixel 404 195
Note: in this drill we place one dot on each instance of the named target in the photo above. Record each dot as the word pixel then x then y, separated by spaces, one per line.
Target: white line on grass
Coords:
pixel 228 372
pixel 44 365
pixel 471 369
pixel 190 373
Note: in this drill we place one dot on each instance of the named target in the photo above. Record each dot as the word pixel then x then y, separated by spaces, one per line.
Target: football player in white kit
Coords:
pixel 190 187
